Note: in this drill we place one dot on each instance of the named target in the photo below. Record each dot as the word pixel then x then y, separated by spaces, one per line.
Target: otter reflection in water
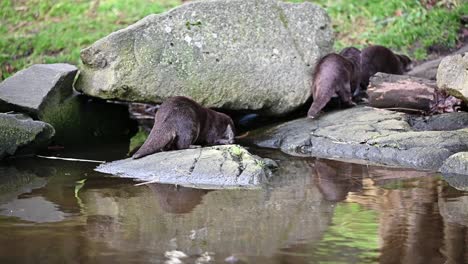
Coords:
pixel 336 179
pixel 177 199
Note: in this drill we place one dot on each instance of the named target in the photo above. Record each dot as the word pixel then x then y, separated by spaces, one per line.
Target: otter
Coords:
pixel 354 55
pixel 333 75
pixel 381 59
pixel 181 122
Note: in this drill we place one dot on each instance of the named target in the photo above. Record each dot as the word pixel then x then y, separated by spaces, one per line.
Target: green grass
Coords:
pixel 408 26
pixel 48 31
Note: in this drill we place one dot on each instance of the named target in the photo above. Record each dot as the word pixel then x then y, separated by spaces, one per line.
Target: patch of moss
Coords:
pixel 189 24
pixel 137 140
pixel 236 151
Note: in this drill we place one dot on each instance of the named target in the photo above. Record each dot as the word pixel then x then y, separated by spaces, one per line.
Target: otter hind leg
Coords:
pixel 184 141
pixel 344 92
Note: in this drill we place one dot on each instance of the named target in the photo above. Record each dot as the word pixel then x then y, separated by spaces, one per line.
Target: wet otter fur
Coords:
pixel 333 75
pixel 181 122
pixel 354 55
pixel 381 59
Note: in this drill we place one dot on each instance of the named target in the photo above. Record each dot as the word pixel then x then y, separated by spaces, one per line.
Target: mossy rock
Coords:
pixel 20 134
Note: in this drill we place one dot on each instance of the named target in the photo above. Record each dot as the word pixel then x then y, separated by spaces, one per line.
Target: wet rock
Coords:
pixel 230 54
pixel 364 133
pixel 218 167
pixel 442 122
pixel 20 134
pixel 456 164
pixel 37 87
pixel 453 76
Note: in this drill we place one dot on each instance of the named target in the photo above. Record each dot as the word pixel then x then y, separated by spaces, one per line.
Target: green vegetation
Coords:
pixel 137 140
pixel 353 229
pixel 408 26
pixel 48 31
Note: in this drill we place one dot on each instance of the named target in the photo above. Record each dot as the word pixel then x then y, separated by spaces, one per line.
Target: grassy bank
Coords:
pixel 48 31
pixel 413 26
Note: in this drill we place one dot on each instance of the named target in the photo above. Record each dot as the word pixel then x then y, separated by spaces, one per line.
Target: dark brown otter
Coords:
pixel 181 122
pixel 333 75
pixel 354 55
pixel 381 59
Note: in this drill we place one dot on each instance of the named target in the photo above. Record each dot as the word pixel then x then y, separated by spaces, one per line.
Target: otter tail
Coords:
pixel 157 141
pixel 319 103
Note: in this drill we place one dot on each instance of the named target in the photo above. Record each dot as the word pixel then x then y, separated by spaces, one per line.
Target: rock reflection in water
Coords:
pixel 13 184
pixel 314 210
pixel 245 222
pixel 177 199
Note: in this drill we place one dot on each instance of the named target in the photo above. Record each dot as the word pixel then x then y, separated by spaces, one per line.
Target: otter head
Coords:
pixel 353 54
pixel 223 130
pixel 405 62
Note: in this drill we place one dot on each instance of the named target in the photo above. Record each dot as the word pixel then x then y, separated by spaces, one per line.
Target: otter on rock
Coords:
pixel 354 55
pixel 334 74
pixel 381 59
pixel 181 122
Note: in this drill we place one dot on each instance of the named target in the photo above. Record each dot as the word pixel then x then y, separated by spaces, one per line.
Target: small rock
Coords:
pixel 37 87
pixel 217 167
pixel 456 164
pixel 20 131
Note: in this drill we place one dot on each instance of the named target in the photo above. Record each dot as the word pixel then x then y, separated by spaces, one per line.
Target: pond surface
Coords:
pixel 313 211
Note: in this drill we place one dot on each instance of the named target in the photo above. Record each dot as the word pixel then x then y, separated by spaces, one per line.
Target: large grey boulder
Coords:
pixel 453 76
pixel 231 54
pixel 33 89
pixel 364 133
pixel 19 131
pixel 218 167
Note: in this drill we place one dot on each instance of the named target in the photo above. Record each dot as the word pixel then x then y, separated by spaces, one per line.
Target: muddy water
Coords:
pixel 313 211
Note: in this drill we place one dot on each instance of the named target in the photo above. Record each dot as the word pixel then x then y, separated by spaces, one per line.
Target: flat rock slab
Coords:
pixel 19 131
pixel 230 54
pixel 31 89
pixel 218 167
pixel 364 133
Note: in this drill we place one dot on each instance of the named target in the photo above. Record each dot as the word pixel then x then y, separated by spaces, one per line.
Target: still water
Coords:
pixel 313 211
